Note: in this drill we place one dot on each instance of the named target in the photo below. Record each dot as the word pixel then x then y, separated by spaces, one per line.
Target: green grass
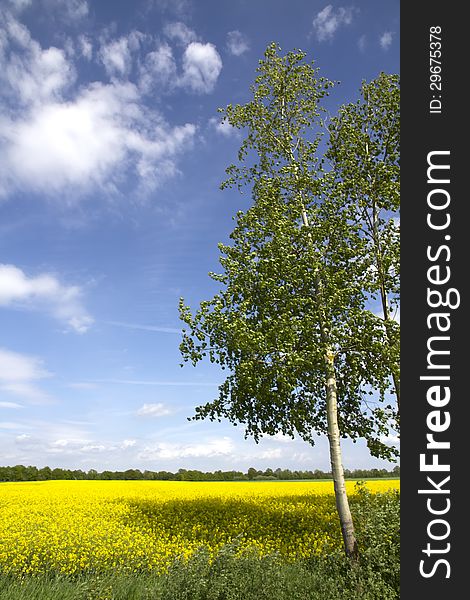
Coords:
pixel 232 576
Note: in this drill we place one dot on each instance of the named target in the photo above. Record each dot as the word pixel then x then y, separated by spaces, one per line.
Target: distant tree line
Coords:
pixel 30 473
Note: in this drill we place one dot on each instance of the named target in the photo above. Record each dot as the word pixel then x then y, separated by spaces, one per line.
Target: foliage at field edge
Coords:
pixel 32 473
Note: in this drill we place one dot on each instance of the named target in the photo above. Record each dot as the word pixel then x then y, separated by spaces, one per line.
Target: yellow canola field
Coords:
pixel 74 526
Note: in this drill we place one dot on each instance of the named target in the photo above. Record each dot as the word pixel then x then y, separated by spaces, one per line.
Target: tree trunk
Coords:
pixel 341 498
pixel 342 504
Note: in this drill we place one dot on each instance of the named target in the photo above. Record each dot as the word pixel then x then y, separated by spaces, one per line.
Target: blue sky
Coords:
pixel 110 210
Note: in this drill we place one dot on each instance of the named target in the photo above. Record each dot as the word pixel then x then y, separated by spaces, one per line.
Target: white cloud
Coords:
pixel 85 47
pixel 69 142
pixel 201 67
pixel 31 74
pixel 128 444
pixel 44 441
pixel 304 457
pixel 43 292
pixel 180 32
pixel 213 448
pixel 329 20
pixel 116 55
pixel 13 405
pixel 15 367
pixel 153 410
pixel 281 437
pixel 69 445
pixel 93 448
pixel 74 446
pixel 386 40
pixel 237 43
pixel 269 454
pixel 88 143
pixel 223 127
pixel 158 70
pixel 390 439
pixel 19 374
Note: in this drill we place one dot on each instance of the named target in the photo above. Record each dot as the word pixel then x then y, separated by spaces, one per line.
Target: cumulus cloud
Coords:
pixel 201 67
pixel 180 32
pixel 237 43
pixel 68 439
pixel 281 437
pixel 117 55
pixel 68 447
pixel 390 439
pixel 81 446
pixel 19 374
pixel 85 47
pixel 83 144
pixel 158 70
pixel 153 410
pixel 223 127
pixel 128 444
pixel 327 22
pixel 270 454
pixel 212 448
pixel 386 40
pixel 30 74
pixel 43 292
pixel 68 141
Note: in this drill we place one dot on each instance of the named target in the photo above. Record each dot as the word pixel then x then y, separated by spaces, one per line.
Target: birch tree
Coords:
pixel 364 153
pixel 290 323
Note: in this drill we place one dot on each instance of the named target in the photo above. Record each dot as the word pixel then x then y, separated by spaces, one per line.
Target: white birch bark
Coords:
pixel 342 503
pixel 336 460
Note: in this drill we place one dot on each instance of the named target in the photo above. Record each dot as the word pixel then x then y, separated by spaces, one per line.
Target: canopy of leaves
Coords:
pixel 292 283
pixel 364 156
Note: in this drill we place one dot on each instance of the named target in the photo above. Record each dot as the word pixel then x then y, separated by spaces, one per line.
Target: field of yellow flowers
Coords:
pixel 71 527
